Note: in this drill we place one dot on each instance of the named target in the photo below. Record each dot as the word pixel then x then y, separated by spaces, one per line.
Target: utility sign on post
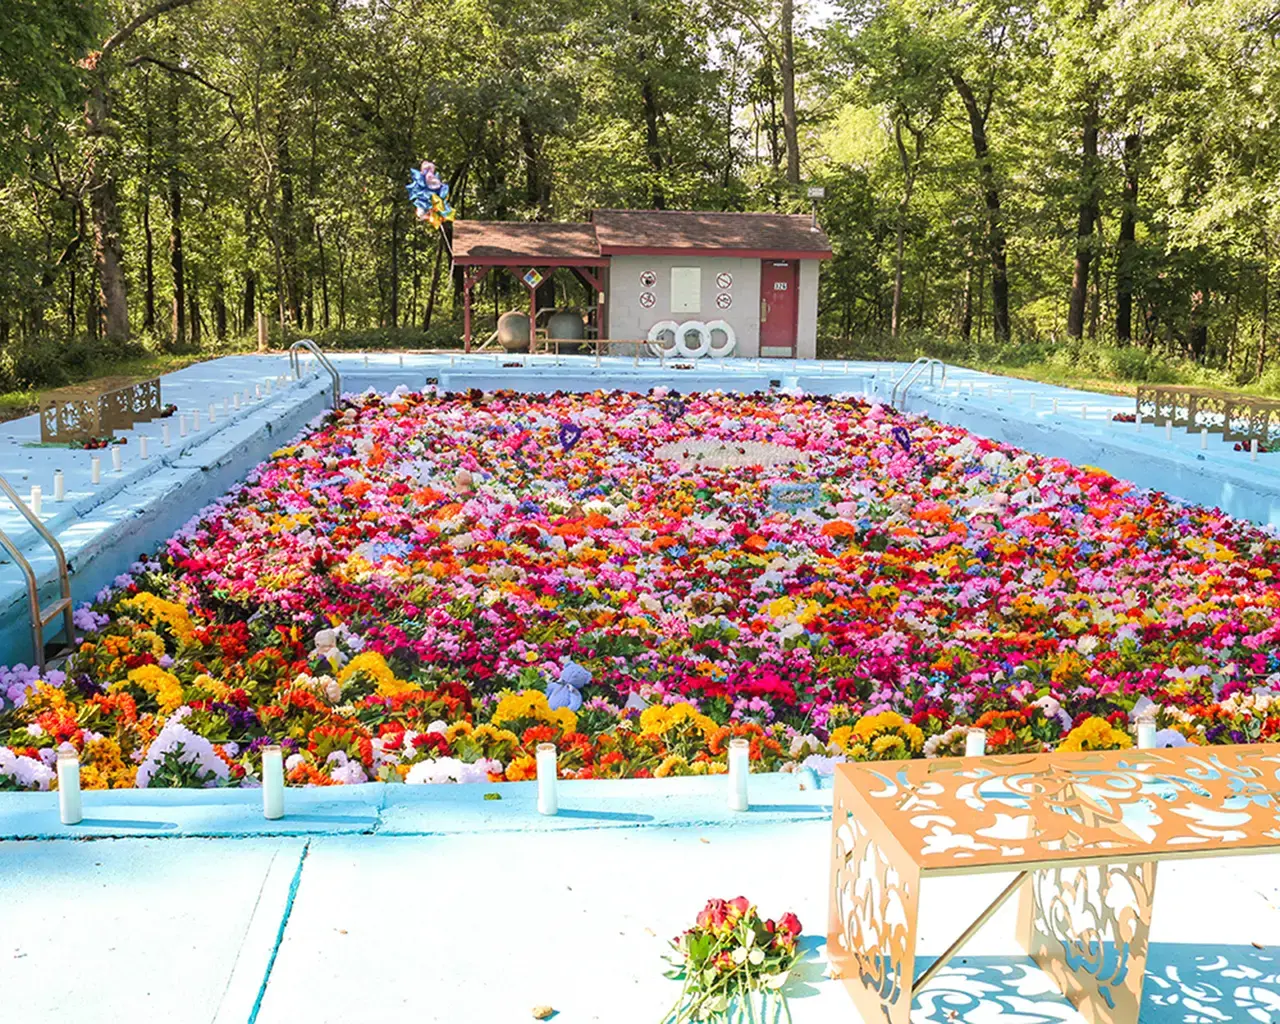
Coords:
pixel 533 279
pixel 817 192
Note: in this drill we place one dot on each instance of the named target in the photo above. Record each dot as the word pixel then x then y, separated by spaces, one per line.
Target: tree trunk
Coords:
pixel 219 310
pixel 966 307
pixel 1197 328
pixel 787 66
pixel 178 331
pixel 288 226
pixel 394 315
pixel 1265 327
pixel 324 277
pixel 1127 253
pixel 1087 213
pixel 995 222
pixel 108 253
pixel 909 167
pixel 653 143
pixel 435 287
pixel 193 293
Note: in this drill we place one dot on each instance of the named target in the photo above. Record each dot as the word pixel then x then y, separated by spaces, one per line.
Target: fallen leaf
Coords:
pixel 650 931
pixel 703 839
pixel 1259 945
pixel 342 931
pixel 543 1012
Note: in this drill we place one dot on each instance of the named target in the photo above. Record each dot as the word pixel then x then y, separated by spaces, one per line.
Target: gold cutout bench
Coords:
pixel 85 411
pixel 1084 832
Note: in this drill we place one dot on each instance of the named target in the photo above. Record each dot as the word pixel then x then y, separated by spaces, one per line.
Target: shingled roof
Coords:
pixel 543 242
pixel 677 231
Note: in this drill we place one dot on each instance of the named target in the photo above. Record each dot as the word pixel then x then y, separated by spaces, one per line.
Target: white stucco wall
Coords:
pixel 807 327
pixel 629 319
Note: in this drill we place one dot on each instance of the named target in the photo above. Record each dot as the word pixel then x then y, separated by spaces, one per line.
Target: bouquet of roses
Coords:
pixel 733 964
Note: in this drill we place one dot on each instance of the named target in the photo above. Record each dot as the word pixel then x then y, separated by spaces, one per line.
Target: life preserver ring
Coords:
pixel 664 336
pixel 730 339
pixel 682 339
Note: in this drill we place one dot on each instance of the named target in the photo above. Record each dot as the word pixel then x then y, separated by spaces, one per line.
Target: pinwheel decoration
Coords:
pixel 429 194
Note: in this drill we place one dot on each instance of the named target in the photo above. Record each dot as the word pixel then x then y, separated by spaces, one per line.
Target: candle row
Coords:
pixel 71 811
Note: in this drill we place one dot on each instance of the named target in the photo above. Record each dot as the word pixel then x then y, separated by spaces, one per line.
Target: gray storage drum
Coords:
pixel 513 331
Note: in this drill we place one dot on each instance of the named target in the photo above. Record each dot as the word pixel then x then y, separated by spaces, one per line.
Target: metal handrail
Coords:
pixel 931 364
pixel 913 371
pixel 40 617
pixel 314 349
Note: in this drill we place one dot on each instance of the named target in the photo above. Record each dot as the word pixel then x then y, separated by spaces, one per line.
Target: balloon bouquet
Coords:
pixel 430 195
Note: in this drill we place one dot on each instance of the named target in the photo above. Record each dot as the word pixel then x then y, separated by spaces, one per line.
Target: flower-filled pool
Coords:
pixel 428 586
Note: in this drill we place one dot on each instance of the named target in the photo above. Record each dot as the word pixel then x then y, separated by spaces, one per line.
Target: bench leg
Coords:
pixel 1087 928
pixel 871 933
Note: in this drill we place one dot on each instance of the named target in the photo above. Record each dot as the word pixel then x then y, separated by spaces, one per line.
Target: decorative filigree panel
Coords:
pixel 1087 927
pixel 1237 417
pixel 995 813
pixel 73 414
pixel 872 926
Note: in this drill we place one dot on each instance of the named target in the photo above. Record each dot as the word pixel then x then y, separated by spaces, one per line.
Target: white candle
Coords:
pixel 739 769
pixel 59 486
pixel 117 458
pixel 366 359
pixel 36 499
pixel 69 804
pixel 166 435
pixel 1055 405
pixel 257 391
pixel 96 464
pixel 1137 423
pixel 1084 412
pixel 1168 430
pixel 142 446
pixel 213 415
pixel 270 384
pixel 235 401
pixel 1032 403
pixel 402 360
pixel 1253 450
pixel 450 359
pixel 548 799
pixel 1147 731
pixel 226 408
pixel 1204 438
pixel 272 782
pixel 975 743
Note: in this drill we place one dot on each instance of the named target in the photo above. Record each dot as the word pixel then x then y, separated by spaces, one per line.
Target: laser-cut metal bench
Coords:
pixel 1084 831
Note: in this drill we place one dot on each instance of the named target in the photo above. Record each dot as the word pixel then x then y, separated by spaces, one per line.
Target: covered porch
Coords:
pixel 532 252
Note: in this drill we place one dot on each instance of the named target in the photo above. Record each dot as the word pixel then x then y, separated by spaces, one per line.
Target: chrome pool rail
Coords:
pixel 308 345
pixel 914 372
pixel 40 617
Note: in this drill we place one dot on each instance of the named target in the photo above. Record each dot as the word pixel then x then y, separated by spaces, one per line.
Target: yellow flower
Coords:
pixel 659 719
pixel 1095 733
pixel 157 610
pixel 163 686
pixel 532 704
pixel 374 665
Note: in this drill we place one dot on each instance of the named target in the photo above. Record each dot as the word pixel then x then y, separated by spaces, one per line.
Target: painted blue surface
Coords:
pixel 104 528
pixel 396 810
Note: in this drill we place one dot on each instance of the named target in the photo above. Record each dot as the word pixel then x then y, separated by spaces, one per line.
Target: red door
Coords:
pixel 779 282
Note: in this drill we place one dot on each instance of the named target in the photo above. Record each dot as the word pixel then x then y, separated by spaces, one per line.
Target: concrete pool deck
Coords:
pixel 482 925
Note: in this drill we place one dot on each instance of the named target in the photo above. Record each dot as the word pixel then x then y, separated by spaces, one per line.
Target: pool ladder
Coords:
pixel 295 364
pixel 914 372
pixel 40 617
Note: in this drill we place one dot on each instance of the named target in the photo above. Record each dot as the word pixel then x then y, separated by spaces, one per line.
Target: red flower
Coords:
pixel 790 924
pixel 714 915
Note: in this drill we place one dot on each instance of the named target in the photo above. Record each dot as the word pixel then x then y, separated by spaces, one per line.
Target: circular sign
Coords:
pixel 724 281
pixel 724 300
pixel 647 299
pixel 648 279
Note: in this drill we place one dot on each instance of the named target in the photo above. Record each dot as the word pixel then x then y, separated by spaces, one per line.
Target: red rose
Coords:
pixel 789 924
pixel 713 915
pixel 741 905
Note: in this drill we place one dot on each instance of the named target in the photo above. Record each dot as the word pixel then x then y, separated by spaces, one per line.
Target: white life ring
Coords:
pixel 704 339
pixel 664 336
pixel 730 338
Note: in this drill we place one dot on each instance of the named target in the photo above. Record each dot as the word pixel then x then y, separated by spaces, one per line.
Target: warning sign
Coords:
pixel 724 300
pixel 724 281
pixel 648 279
pixel 532 279
pixel 647 299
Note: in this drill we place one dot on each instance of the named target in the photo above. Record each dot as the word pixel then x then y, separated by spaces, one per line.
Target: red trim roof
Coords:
pixel 637 233
pixel 521 243
pixel 674 232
